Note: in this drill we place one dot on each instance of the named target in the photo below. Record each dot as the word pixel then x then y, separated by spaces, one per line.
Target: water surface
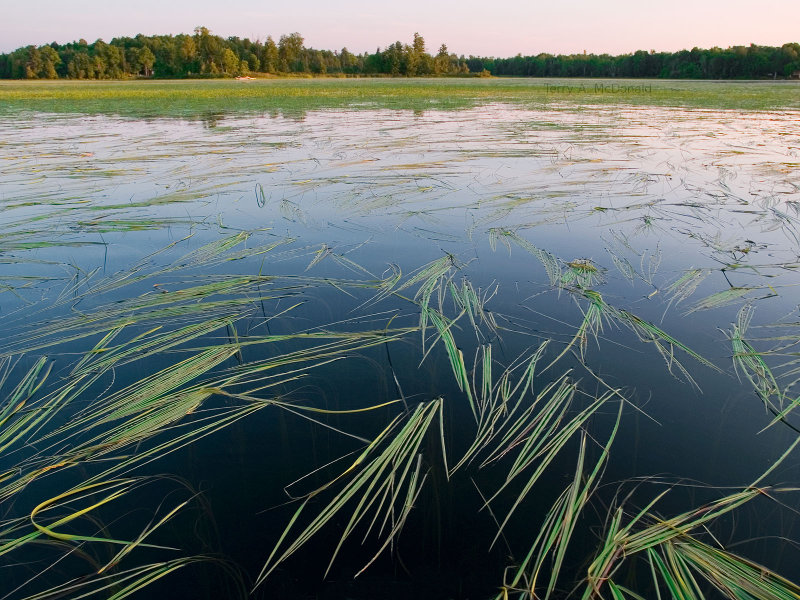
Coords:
pixel 275 234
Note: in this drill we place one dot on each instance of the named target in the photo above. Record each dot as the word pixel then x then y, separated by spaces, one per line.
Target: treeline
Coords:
pixel 738 62
pixel 206 55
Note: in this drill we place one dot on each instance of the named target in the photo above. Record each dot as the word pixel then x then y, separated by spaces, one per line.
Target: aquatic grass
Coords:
pixel 206 255
pixel 648 533
pixel 551 265
pixel 149 343
pixel 151 403
pixel 499 415
pixel 674 553
pixel 141 411
pixel 664 343
pixel 686 285
pixel 497 403
pixel 212 250
pixel 649 260
pixel 598 312
pixel 223 296
pixel 723 298
pixel 732 575
pixel 17 418
pixel 454 354
pixel 581 272
pixel 385 482
pixel 117 488
pixel 80 327
pixel 104 225
pixel 128 582
pixel 750 363
pixel 513 420
pixel 624 266
pixel 542 441
pixel 224 322
pixel 466 302
pixel 126 418
pixel 14 534
pixel 437 278
pixel 554 535
pixel 578 278
pixel 473 304
pixel 319 255
pixel 102 433
pixel 429 276
pixel 198 98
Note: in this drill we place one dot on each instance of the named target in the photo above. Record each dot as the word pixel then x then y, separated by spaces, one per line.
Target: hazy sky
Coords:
pixel 486 27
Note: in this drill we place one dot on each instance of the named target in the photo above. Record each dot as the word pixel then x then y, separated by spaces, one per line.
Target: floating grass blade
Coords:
pixel 748 362
pixel 549 262
pixel 672 536
pixel 734 576
pixel 723 298
pixel 599 311
pixel 544 443
pixel 498 409
pixel 683 287
pixel 379 475
pixel 554 536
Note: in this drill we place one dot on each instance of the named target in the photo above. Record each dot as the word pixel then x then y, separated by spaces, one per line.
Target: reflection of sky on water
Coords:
pixel 644 193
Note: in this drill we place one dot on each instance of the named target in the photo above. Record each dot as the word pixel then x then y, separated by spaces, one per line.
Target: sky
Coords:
pixel 482 28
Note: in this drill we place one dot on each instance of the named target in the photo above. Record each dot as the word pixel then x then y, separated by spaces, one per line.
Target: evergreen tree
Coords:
pixel 441 64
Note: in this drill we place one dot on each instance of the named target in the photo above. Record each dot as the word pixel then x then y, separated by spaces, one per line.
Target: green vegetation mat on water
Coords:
pixel 358 339
pixel 181 98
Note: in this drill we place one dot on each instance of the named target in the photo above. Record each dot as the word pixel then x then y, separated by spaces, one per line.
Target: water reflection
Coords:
pixel 372 255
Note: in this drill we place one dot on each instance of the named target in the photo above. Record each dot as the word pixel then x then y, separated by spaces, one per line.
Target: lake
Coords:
pixel 357 348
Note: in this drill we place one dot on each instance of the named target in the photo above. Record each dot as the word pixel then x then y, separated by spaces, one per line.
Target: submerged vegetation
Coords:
pixel 496 352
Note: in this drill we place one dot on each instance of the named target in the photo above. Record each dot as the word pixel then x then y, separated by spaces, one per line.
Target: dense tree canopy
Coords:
pixel 206 55
pixel 738 62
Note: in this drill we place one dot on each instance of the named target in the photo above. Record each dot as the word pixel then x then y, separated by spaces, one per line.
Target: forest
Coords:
pixel 204 54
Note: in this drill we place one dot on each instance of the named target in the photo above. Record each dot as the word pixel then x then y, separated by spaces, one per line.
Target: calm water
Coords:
pixel 685 219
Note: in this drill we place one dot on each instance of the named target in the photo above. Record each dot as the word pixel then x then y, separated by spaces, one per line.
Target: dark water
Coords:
pixel 681 218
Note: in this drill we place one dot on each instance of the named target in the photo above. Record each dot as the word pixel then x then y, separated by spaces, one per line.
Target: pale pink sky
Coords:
pixel 493 27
